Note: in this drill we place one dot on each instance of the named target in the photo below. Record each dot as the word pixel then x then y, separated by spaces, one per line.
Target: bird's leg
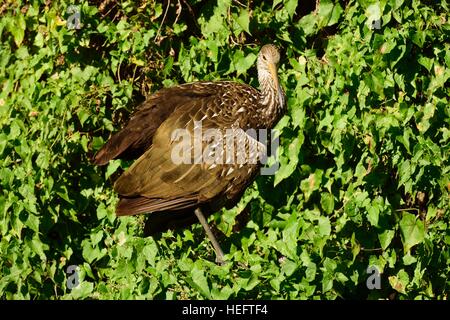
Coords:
pixel 216 245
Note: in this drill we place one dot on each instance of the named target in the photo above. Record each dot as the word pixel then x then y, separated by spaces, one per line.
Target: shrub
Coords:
pixel 364 176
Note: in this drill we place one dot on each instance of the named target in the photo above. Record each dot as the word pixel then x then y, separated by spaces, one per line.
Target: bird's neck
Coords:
pixel 272 98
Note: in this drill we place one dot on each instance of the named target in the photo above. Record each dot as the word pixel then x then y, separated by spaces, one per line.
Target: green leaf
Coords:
pixel 412 231
pixel 324 226
pixel 405 172
pixel 373 214
pixel 310 272
pixel 385 238
pixel 289 164
pixel 290 6
pixel 97 143
pixel 242 63
pixel 426 62
pixel 38 247
pixel 221 293
pixel 101 211
pixel 400 281
pixel 39 40
pixel 112 167
pixel 275 3
pixel 17 27
pixel 96 237
pixel 308 24
pixel 329 13
pixel 15 129
pixel 83 115
pixel 276 282
pixel 83 290
pixel 330 265
pixel 327 202
pixel 356 247
pixel 200 281
pixel 289 267
pixel 33 222
pixel 408 259
pixel 244 20
pixel 327 282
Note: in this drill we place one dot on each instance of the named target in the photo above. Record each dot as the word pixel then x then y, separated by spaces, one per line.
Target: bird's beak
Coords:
pixel 273 73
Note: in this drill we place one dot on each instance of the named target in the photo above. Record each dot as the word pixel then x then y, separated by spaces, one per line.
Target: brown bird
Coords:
pixel 194 148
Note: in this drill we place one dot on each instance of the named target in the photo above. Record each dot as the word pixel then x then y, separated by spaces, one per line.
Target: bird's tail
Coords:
pixel 136 205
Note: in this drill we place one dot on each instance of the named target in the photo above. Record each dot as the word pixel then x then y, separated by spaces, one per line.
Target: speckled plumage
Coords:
pixel 154 183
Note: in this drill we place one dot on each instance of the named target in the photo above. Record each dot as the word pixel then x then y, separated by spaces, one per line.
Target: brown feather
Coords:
pixel 136 137
pixel 170 191
pixel 138 205
pixel 155 175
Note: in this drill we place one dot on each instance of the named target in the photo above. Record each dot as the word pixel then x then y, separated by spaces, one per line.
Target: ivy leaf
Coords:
pixel 289 163
pixel 112 167
pixel 242 63
pixel 324 226
pixel 311 271
pixel 308 24
pixel 275 3
pixel 200 281
pixel 400 281
pixel 101 211
pixel 289 267
pixel 329 13
pixel 373 215
pixel 385 238
pixel 17 27
pixel 412 231
pixel 290 6
pixel 244 20
pixel 327 202
pixel 426 62
pixel 83 290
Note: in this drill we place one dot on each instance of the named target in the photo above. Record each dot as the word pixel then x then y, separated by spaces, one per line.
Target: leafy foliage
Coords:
pixel 364 176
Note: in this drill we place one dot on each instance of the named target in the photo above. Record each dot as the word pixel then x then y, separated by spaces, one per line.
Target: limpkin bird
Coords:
pixel 174 192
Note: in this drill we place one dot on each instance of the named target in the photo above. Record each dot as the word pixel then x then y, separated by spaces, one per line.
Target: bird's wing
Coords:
pixel 137 135
pixel 158 173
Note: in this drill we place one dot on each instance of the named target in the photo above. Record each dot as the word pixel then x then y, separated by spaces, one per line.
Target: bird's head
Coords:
pixel 268 59
pixel 269 54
